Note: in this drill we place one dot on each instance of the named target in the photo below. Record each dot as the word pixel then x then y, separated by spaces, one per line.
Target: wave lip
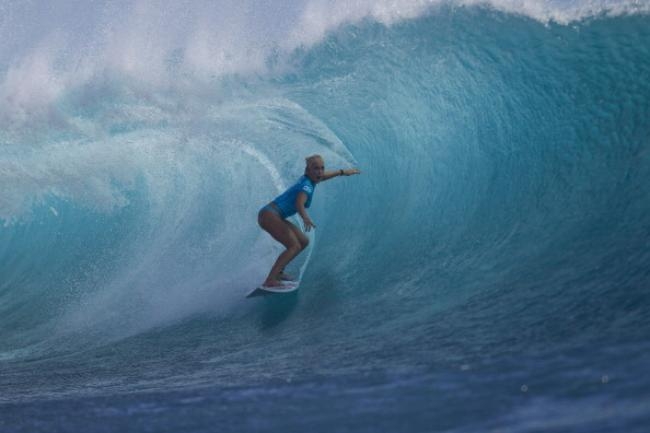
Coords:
pixel 44 55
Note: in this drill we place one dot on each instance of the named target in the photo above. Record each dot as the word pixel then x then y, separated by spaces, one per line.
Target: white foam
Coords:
pixel 86 172
pixel 31 83
pixel 564 11
pixel 44 51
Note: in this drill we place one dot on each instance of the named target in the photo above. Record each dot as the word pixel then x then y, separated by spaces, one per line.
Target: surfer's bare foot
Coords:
pixel 272 283
pixel 286 277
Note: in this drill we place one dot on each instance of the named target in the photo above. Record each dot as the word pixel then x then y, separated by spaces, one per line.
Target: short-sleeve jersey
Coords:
pixel 286 201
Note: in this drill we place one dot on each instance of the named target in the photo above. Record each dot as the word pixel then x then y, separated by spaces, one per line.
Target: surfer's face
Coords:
pixel 315 170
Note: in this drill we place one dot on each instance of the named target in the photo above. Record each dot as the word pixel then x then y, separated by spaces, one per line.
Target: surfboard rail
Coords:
pixel 286 287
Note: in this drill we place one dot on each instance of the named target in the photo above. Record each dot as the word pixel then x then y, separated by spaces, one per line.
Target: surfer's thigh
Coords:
pixel 302 238
pixel 276 227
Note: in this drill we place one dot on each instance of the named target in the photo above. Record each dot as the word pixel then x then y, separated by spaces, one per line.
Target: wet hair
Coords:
pixel 309 160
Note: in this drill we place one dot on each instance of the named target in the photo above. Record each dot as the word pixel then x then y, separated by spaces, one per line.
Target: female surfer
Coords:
pixel 273 217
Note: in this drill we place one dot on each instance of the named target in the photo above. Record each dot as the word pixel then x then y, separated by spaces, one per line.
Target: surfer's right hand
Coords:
pixel 309 224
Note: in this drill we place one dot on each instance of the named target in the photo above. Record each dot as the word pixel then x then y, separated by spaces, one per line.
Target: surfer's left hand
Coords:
pixel 351 171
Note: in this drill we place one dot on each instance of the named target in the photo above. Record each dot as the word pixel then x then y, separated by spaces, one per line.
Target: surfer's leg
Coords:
pixel 302 238
pixel 281 232
pixel 304 241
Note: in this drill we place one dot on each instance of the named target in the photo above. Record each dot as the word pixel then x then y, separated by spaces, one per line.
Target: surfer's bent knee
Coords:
pixel 295 247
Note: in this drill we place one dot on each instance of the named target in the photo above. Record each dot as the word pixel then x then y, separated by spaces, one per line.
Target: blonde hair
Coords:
pixel 309 159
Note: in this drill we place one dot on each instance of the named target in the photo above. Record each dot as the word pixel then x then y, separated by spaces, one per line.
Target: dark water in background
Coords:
pixel 488 271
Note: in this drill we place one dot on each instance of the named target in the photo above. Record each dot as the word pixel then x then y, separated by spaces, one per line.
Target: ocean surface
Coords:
pixel 489 270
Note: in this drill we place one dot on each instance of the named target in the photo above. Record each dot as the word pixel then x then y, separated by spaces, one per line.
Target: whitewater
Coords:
pixel 487 271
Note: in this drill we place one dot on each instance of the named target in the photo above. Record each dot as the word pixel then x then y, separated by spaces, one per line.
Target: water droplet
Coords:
pixel 604 379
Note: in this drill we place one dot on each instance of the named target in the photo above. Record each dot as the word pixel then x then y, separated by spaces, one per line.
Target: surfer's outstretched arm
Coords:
pixel 341 172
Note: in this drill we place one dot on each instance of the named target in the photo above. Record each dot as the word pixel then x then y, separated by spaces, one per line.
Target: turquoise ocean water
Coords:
pixel 488 271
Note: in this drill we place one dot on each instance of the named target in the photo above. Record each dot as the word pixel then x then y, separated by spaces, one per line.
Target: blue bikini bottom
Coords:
pixel 272 208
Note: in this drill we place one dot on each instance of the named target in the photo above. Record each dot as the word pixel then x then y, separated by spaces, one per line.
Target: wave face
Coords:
pixel 496 241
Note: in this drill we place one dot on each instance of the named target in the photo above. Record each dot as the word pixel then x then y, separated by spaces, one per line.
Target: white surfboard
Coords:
pixel 286 287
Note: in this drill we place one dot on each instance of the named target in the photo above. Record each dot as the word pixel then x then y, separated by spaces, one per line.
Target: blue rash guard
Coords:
pixel 286 201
